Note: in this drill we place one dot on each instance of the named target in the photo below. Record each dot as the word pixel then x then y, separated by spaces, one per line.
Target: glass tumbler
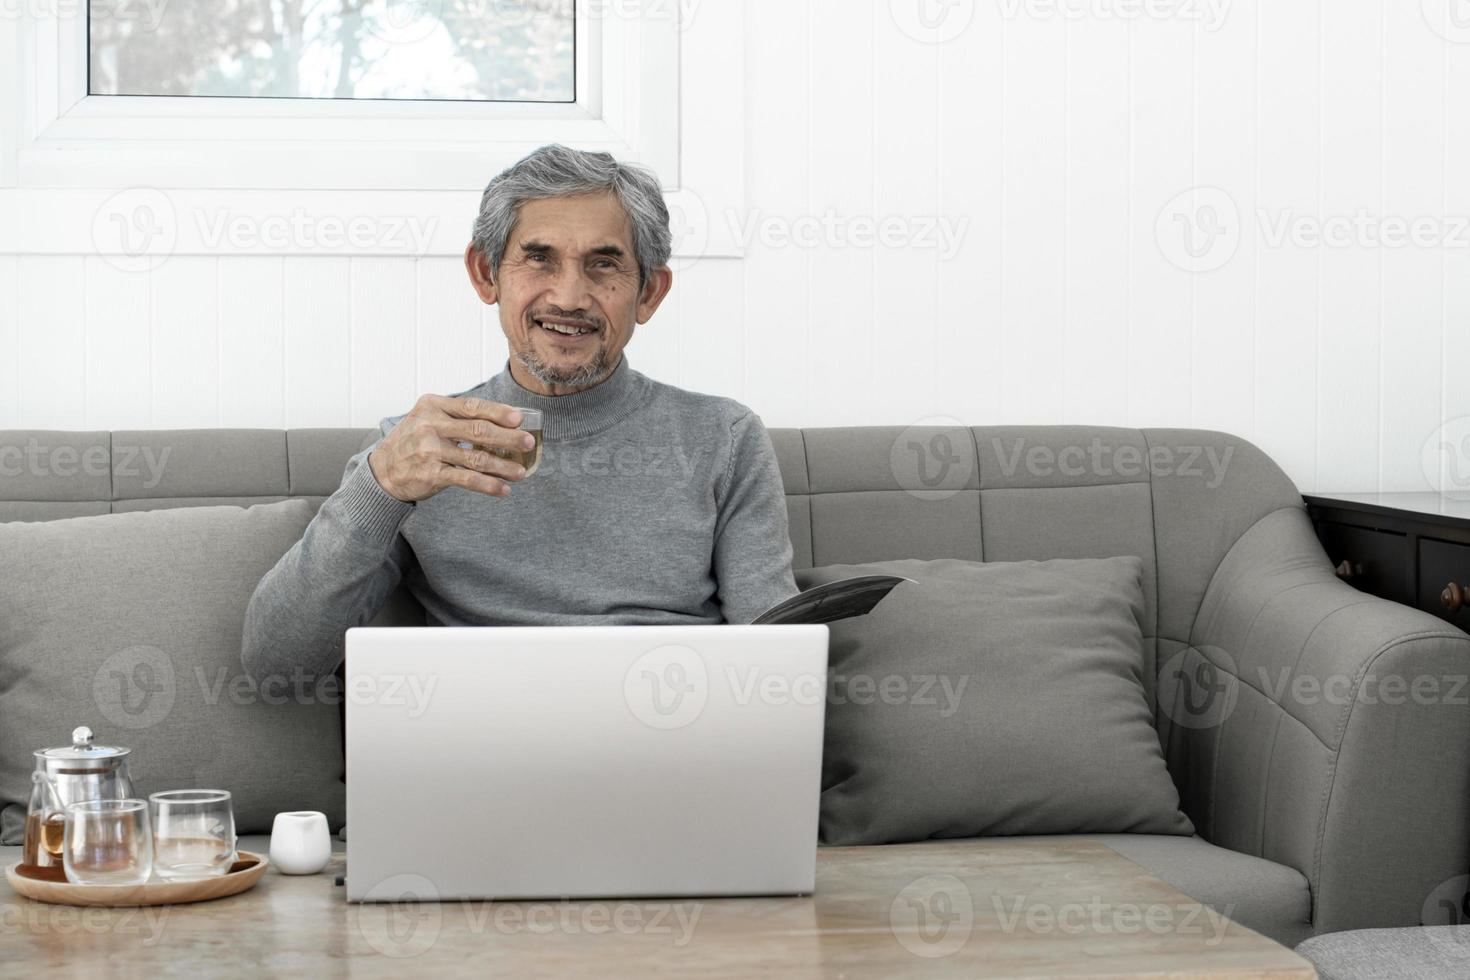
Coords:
pixel 193 833
pixel 531 421
pixel 107 842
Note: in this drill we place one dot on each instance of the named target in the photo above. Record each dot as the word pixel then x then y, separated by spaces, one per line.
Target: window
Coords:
pixel 658 81
pixel 465 50
pixel 606 78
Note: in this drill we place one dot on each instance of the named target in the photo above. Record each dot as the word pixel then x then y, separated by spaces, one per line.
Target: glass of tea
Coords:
pixel 108 842
pixel 529 458
pixel 193 833
pixel 45 834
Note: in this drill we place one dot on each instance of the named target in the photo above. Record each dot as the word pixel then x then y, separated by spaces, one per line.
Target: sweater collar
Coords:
pixel 582 413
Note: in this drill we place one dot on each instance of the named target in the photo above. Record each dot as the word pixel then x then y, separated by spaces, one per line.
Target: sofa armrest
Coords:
pixel 1331 733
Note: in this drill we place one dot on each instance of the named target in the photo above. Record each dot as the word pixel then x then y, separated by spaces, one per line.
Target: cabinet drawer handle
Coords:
pixel 1454 597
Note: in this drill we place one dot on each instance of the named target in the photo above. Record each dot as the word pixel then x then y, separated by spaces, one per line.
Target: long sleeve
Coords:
pixel 752 555
pixel 337 576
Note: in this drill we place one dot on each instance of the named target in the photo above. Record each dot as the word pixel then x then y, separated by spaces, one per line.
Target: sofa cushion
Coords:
pixel 131 624
pixel 993 699
pixel 1414 953
pixel 1270 898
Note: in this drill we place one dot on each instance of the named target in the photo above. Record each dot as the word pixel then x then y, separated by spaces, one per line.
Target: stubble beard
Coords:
pixel 588 374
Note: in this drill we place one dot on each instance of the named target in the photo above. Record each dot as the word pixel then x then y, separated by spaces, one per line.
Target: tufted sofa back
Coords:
pixel 1177 498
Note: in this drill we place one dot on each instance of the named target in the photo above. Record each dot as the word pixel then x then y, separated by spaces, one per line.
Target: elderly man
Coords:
pixel 650 505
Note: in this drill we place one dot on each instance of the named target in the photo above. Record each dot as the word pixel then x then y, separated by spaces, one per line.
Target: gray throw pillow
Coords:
pixel 130 624
pixel 993 699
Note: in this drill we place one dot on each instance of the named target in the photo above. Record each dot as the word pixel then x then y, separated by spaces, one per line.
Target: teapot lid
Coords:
pixel 82 749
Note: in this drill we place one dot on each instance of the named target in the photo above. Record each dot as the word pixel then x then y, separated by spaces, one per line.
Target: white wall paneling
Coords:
pixel 1287 177
pixel 1090 220
pixel 1414 99
pixel 1222 336
pixel 710 341
pixel 184 300
pixel 1096 208
pixel 780 302
pixel 317 313
pixel 385 338
pixel 968 325
pixel 9 338
pixel 905 206
pixel 849 328
pixel 1167 237
pixel 252 341
pixel 1455 263
pixel 1034 220
pixel 449 355
pixel 51 352
pixel 119 347
pixel 1351 289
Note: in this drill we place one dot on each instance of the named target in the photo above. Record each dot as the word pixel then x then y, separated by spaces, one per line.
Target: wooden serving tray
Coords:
pixel 50 885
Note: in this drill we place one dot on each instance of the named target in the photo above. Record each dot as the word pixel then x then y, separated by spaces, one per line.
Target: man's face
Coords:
pixel 568 291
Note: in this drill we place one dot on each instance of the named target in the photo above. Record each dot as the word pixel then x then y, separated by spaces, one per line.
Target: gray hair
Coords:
pixel 559 171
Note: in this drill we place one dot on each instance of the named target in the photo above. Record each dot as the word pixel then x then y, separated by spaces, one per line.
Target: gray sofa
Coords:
pixel 1314 813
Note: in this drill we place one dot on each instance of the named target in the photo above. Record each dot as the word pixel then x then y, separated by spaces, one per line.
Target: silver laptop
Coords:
pixel 583 762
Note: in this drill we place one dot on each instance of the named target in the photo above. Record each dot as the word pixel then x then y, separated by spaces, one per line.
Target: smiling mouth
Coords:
pixel 564 328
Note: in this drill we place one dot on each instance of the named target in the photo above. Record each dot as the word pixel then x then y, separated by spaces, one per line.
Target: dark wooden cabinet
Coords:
pixel 1412 548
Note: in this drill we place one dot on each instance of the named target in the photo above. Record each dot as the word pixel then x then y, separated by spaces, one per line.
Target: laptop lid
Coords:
pixel 583 762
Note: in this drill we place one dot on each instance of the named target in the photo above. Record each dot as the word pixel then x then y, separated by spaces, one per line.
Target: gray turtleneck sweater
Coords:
pixel 652 505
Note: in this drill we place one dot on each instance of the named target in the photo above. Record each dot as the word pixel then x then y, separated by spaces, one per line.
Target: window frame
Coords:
pixel 672 97
pixel 627 96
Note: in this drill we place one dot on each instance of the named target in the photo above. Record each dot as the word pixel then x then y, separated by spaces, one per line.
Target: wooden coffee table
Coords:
pixel 971 909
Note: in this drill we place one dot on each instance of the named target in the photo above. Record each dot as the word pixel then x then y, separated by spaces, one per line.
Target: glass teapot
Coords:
pixel 65 775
